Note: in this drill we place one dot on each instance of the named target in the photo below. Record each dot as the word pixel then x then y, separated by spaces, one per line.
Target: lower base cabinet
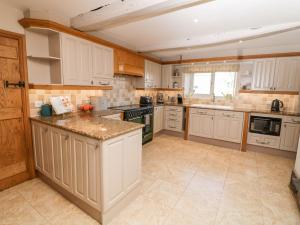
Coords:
pixel 100 173
pixel 158 121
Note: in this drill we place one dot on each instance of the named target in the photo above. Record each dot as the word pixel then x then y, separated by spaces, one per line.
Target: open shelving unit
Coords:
pixel 44 56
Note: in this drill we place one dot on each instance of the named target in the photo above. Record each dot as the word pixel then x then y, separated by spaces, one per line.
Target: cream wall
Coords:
pixel 9 17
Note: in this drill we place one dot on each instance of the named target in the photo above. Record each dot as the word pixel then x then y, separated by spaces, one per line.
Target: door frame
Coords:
pixel 30 173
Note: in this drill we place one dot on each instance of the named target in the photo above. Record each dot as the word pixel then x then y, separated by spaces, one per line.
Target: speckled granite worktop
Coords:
pixel 230 108
pixel 90 124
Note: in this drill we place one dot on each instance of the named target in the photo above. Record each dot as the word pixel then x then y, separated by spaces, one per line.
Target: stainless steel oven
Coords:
pixel 265 125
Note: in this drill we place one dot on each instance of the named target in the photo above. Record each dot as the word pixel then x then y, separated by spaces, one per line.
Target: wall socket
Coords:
pixel 38 104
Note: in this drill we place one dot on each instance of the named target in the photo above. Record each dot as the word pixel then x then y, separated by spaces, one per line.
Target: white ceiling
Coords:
pixel 216 21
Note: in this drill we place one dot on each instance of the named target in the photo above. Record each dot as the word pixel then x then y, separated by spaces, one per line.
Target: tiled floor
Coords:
pixel 184 183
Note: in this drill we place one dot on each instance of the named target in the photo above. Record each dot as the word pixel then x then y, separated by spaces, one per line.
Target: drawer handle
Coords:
pixel 172 114
pixel 172 127
pixel 172 120
pixel 262 142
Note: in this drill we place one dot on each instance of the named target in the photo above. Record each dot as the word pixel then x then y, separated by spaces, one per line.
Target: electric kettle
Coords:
pixel 276 105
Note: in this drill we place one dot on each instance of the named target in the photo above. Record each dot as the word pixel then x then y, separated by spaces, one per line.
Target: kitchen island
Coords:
pixel 93 161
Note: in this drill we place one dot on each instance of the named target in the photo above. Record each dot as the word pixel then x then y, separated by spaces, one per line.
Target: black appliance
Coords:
pixel 276 105
pixel 145 101
pixel 265 125
pixel 179 99
pixel 140 114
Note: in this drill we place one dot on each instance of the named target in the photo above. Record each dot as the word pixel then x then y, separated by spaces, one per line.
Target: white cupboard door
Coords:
pixel 161 118
pixel 37 145
pixel 98 63
pixel 234 130
pixel 132 160
pixel 289 137
pixel 57 160
pixel 112 171
pixel 70 60
pixel 206 126
pixel 79 166
pixel 158 119
pixel 166 76
pixel 287 74
pixel 108 58
pixel 195 124
pixel 263 74
pixel 220 127
pixel 47 150
pixel 85 66
pixel 93 172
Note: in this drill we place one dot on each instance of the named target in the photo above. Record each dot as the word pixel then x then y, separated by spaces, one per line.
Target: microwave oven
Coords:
pixel 265 125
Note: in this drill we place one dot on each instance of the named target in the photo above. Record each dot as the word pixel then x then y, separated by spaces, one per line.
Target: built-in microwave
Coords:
pixel 265 125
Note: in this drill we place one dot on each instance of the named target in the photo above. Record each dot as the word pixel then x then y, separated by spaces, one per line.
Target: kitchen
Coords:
pixel 111 117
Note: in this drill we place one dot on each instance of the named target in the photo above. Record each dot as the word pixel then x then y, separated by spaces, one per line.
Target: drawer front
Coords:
pixel 291 119
pixel 173 109
pixel 229 114
pixel 173 125
pixel 264 140
pixel 202 111
pixel 173 115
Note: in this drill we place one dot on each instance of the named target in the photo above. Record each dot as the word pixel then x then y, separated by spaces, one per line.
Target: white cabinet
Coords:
pixel 228 126
pixel 62 158
pixel 289 135
pixel 276 74
pixel 37 145
pixel 264 140
pixel 201 122
pixel 173 118
pixel 70 60
pixel 166 76
pixel 121 157
pixel 85 63
pixel 287 74
pixel 46 150
pixel 152 78
pixel 263 74
pixel 158 118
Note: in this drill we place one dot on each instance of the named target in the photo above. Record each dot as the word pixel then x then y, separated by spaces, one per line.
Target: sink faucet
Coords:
pixel 213 98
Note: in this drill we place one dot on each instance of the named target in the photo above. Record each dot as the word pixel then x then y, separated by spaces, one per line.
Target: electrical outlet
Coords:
pixel 38 104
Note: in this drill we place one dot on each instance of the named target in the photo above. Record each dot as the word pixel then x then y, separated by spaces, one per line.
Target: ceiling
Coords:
pixel 207 29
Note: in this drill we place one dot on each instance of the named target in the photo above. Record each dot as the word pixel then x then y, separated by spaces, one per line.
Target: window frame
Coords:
pixel 212 86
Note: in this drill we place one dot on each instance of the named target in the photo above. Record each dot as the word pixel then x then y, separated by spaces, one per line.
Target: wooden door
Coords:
pixel 16 159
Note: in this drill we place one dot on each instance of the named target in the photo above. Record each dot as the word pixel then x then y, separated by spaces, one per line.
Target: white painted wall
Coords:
pixel 9 17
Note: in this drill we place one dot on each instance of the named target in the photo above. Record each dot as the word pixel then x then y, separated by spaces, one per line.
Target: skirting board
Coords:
pixel 215 142
pixel 272 151
pixel 103 218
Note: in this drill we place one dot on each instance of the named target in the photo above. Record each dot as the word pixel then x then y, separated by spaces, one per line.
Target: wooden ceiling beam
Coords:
pixel 129 11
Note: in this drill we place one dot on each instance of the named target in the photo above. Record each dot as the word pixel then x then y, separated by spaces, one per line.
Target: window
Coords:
pixel 219 84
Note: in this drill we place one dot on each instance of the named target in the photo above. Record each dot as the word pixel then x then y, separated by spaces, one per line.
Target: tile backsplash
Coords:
pixel 124 93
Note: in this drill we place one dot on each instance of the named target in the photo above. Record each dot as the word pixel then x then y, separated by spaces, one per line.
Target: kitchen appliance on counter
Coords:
pixel 265 125
pixel 179 99
pixel 99 103
pixel 160 98
pixel 146 101
pixel 143 114
pixel 276 105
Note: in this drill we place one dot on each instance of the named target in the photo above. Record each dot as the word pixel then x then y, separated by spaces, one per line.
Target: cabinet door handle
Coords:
pixel 97 146
pixel 67 137
pixel 92 82
pixel 45 130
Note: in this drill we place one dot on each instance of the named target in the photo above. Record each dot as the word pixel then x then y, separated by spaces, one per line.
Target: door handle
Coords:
pixel 20 84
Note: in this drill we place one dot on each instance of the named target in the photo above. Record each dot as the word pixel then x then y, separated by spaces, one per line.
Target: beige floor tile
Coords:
pixel 239 218
pixel 180 218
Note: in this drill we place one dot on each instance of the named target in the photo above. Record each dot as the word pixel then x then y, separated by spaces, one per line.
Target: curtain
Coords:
pixel 209 68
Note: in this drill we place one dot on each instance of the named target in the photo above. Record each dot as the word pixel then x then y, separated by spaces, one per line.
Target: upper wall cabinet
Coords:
pixel 59 58
pixel 128 63
pixel 280 74
pixel 152 78
pixel 85 63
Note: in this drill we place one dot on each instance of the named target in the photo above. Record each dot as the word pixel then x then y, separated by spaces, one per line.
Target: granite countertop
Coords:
pixel 90 124
pixel 230 108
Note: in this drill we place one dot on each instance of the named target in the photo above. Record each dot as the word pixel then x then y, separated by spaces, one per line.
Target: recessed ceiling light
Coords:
pixel 188 39
pixel 241 41
pixel 254 28
pixel 196 20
